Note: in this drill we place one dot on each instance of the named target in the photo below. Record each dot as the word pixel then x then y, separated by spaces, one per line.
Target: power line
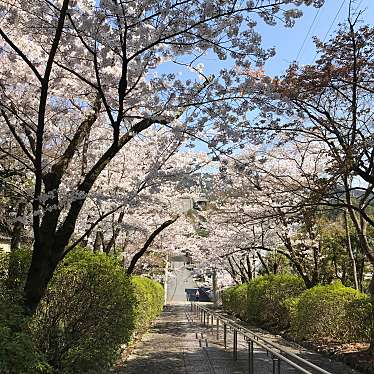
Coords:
pixel 358 6
pixel 331 25
pixel 307 34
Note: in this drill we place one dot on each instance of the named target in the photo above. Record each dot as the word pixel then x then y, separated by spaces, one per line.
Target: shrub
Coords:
pixel 266 299
pixel 13 270
pixel 234 300
pixel 89 311
pixel 262 301
pixel 150 299
pixel 18 353
pixel 331 313
pixel 86 314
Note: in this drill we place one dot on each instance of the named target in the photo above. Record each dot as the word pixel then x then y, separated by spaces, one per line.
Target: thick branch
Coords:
pixel 147 244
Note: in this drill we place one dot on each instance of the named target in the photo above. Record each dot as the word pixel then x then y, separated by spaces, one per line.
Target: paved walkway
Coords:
pixel 173 347
pixel 177 345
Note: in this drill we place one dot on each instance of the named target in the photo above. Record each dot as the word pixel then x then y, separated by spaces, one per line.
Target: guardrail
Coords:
pixel 278 354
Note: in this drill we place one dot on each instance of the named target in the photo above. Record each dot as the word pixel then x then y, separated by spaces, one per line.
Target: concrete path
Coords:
pixel 176 344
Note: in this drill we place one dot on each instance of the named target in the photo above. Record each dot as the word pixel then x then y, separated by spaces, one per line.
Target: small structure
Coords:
pixel 5 243
pixel 185 204
pixel 201 203
pixel 204 294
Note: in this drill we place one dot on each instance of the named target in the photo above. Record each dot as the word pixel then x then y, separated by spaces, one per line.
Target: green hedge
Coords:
pixel 90 310
pixel 234 300
pixel 86 314
pixel 150 300
pixel 331 313
pixel 18 352
pixel 322 313
pixel 266 299
pixel 262 300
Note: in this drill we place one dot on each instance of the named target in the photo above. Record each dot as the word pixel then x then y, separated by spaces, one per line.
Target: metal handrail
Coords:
pixel 263 343
pixel 274 345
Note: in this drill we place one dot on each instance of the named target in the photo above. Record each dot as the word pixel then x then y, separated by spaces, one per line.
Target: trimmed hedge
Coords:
pixel 322 313
pixel 18 352
pixel 149 301
pixel 90 310
pixel 86 314
pixel 262 300
pixel 234 300
pixel 331 313
pixel 266 299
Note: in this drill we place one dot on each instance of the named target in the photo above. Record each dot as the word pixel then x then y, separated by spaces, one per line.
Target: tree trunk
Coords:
pixel 98 244
pixel 249 268
pixel 18 228
pixel 350 251
pixel 115 234
pixel 232 270
pixel 43 264
pixel 147 244
pixel 263 263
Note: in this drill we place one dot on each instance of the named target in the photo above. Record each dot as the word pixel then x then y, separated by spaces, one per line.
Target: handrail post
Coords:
pixel 225 335
pixel 217 322
pixel 276 365
pixel 235 345
pixel 251 356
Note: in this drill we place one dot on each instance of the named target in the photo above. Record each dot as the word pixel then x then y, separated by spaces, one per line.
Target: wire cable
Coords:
pixel 331 25
pixel 307 35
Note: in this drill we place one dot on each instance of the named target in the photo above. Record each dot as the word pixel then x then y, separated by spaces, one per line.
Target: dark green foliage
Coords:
pixel 90 310
pixel 234 300
pixel 18 353
pixel 150 299
pixel 331 313
pixel 86 314
pixel 320 314
pixel 13 271
pixel 266 299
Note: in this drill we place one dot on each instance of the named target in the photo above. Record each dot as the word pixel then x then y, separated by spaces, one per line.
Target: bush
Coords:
pixel 150 299
pixel 86 314
pixel 90 310
pixel 262 301
pixel 331 313
pixel 13 270
pixel 266 300
pixel 234 300
pixel 18 353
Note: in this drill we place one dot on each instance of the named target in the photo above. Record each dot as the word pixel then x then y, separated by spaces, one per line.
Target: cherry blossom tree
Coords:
pixel 330 103
pixel 77 71
pixel 265 205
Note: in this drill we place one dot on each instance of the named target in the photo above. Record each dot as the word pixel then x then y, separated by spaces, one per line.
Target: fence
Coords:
pixel 278 354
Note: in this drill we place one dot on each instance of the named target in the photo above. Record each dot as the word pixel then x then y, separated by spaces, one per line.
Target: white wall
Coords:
pixel 4 246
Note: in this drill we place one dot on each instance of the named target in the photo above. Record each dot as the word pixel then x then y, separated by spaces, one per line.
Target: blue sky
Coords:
pixel 288 42
pixel 294 43
pixel 291 44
